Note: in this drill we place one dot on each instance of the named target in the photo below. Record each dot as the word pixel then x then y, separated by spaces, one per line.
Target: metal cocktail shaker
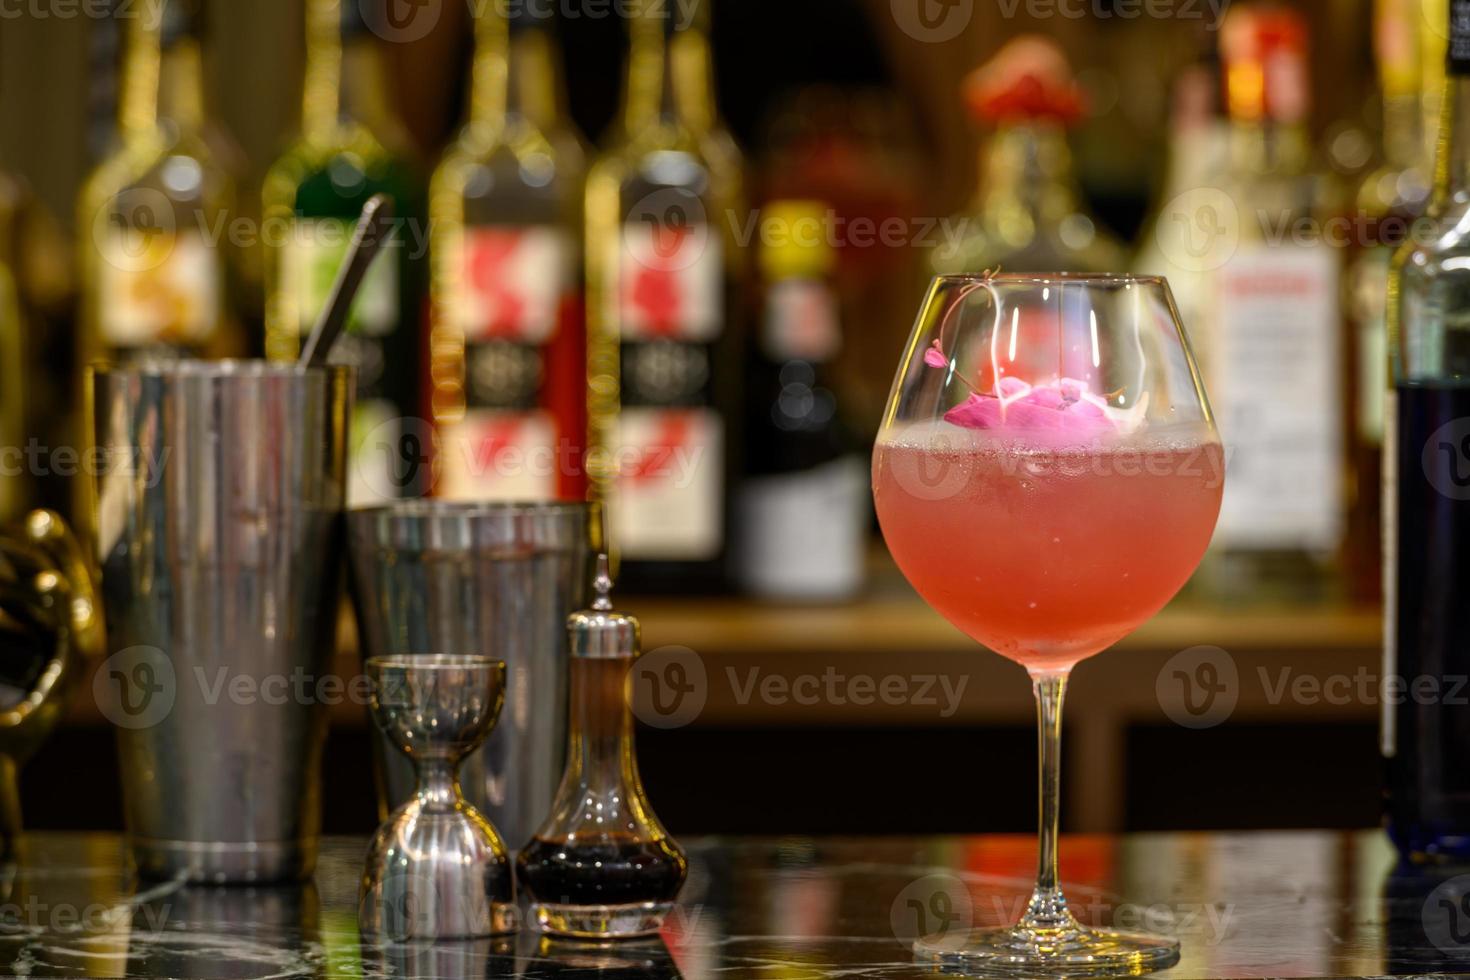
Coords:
pixel 219 500
pixel 493 580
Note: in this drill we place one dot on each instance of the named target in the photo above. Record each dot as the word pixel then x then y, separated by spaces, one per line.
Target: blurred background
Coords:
pixel 169 173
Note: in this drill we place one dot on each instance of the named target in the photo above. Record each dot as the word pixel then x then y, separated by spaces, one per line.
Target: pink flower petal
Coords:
pixel 1059 413
pixel 1012 387
pixel 976 412
pixel 934 357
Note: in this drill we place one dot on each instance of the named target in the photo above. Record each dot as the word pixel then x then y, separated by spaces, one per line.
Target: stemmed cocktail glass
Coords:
pixel 1048 476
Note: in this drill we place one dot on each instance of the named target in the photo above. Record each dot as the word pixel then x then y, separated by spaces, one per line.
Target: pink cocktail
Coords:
pixel 1048 476
pixel 1047 556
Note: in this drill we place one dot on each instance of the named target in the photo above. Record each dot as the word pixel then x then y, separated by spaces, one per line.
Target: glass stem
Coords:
pixel 1048 908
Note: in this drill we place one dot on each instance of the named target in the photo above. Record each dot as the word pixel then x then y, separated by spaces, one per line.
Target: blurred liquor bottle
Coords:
pixel 154 219
pixel 663 280
pixel 1426 733
pixel 1029 215
pixel 507 351
pixel 803 505
pixel 855 151
pixel 14 482
pixel 1433 43
pixel 34 248
pixel 37 357
pixel 353 146
pixel 1388 201
pixel 1181 241
pixel 1273 348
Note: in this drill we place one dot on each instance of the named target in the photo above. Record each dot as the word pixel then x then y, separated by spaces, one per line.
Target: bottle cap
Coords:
pixel 794 241
pixel 1028 81
pixel 603 633
pixel 1265 54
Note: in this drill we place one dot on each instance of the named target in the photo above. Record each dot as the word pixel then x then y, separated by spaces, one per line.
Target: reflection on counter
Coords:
pixel 1287 904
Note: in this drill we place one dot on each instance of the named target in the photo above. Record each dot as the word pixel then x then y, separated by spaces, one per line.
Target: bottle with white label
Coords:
pixel 507 351
pixel 154 217
pixel 803 503
pixel 664 360
pixel 353 146
pixel 1272 347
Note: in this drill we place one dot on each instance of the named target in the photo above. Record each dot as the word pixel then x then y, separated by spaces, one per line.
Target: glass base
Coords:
pixel 632 921
pixel 1069 951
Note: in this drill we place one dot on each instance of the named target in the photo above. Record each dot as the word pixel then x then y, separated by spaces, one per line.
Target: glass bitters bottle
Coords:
pixel 602 866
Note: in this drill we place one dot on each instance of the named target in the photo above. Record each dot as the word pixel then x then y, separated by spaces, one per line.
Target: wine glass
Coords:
pixel 1047 477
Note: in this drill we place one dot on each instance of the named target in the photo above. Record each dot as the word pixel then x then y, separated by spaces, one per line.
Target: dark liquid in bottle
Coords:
pixel 1426 691
pixel 609 871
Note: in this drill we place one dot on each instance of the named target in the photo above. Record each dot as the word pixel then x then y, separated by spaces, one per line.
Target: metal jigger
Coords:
pixel 436 869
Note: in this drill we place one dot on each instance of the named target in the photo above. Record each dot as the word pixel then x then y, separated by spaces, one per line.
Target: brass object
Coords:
pixel 50 625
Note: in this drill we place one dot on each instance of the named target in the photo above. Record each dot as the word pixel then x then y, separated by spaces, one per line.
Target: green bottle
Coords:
pixel 352 147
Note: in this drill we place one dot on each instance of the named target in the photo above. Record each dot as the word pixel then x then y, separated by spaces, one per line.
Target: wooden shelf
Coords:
pixel 905 625
pixel 892 631
pixel 890 634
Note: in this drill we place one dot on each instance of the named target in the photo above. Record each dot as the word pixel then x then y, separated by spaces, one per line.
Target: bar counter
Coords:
pixel 1289 904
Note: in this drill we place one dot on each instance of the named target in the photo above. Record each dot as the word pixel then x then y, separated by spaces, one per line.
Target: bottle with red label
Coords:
pixel 665 362
pixel 507 353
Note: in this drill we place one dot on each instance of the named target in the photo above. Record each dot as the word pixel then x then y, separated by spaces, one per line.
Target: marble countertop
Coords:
pixel 1298 904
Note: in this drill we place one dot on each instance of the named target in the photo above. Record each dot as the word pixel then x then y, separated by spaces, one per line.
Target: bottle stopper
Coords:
pixel 601 632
